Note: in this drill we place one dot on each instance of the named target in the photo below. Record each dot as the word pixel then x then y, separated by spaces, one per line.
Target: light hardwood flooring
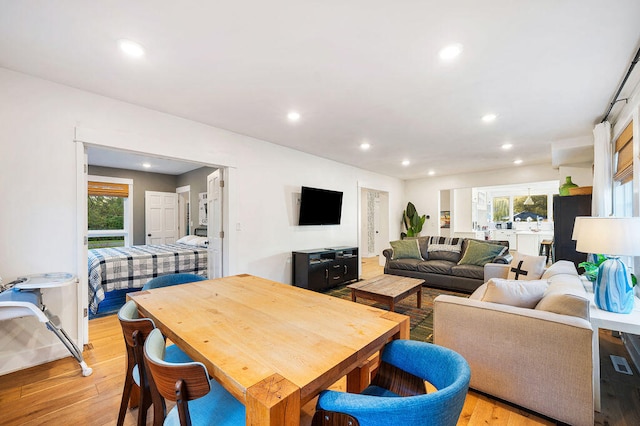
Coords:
pixel 56 393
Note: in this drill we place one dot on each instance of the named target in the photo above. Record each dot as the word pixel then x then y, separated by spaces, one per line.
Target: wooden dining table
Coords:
pixel 273 346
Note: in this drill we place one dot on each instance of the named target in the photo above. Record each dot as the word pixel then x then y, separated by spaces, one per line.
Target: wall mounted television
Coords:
pixel 320 207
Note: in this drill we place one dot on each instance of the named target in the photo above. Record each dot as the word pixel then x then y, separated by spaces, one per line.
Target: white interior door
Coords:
pixel 214 226
pixel 161 217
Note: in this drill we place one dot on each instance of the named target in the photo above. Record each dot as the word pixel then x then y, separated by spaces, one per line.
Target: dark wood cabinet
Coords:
pixel 565 210
pixel 322 269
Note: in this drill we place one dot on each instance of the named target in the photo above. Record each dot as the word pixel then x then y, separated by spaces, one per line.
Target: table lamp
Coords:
pixel 611 236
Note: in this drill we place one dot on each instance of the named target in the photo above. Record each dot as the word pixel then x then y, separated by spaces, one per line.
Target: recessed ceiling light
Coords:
pixel 507 146
pixel 518 161
pixel 431 172
pixel 293 116
pixel 489 118
pixel 365 146
pixel 406 162
pixel 146 165
pixel 450 52
pixel 131 48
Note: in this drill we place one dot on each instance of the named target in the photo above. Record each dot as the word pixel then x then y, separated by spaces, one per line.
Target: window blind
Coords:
pixel 108 189
pixel 624 153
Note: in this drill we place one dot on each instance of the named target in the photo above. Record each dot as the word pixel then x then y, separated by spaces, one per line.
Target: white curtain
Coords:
pixel 602 204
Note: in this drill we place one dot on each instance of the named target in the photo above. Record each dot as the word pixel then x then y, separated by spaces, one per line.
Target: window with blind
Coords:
pixel 108 212
pixel 623 173
pixel 624 156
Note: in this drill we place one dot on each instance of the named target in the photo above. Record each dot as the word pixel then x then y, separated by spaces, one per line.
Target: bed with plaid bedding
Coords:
pixel 120 268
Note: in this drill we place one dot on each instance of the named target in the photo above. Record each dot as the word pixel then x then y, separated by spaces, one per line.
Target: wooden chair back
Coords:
pixel 388 377
pixel 398 381
pixel 135 331
pixel 167 375
pixel 333 418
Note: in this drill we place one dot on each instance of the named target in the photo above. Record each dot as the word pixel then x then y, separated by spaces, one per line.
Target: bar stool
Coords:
pixel 546 249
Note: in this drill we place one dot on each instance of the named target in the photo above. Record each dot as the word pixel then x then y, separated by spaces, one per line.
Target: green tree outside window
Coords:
pixel 501 209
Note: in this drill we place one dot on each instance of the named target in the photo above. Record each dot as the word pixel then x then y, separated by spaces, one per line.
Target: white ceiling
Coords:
pixel 118 159
pixel 355 70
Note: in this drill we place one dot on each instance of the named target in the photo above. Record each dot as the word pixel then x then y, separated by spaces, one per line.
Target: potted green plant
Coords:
pixel 412 221
pixel 591 268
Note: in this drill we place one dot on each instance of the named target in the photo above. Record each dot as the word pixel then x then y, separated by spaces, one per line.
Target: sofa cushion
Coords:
pixel 468 271
pixel 520 293
pixel 480 253
pixel 525 267
pixel 436 266
pixel 566 284
pixel 405 264
pixel 560 267
pixel 479 292
pixel 442 248
pixel 406 249
pixel 565 304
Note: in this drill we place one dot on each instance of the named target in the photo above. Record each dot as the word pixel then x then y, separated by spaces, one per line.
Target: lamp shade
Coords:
pixel 616 236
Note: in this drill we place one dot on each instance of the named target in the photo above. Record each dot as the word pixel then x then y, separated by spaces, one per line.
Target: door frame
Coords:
pixel 184 210
pixel 91 138
pixel 363 186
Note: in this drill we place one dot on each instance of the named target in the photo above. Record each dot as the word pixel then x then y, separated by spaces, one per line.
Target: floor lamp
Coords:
pixel 613 237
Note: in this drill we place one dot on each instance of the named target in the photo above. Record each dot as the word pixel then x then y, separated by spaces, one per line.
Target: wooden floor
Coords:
pixel 56 393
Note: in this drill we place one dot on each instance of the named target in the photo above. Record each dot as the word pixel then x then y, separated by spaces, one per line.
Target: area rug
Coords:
pixel 421 319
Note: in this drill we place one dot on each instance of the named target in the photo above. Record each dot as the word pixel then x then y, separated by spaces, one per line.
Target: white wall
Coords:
pixel 581 176
pixel 424 193
pixel 462 217
pixel 38 192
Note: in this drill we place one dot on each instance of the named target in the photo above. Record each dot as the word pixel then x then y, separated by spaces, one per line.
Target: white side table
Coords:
pixel 625 323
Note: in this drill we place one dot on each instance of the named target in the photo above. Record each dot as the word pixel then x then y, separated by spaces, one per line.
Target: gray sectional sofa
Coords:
pixel 439 266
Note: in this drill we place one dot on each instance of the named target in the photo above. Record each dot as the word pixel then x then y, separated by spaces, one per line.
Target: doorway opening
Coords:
pixel 89 155
pixel 374 224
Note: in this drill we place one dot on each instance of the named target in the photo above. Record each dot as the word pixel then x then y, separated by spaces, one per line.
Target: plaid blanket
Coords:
pixel 119 268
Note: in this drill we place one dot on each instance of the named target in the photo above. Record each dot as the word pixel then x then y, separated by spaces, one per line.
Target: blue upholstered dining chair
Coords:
pixel 135 331
pixel 397 394
pixel 172 279
pixel 199 400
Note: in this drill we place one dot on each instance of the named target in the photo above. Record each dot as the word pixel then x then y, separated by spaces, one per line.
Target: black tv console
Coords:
pixel 322 269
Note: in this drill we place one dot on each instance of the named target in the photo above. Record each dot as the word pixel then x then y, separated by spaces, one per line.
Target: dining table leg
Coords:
pixel 274 401
pixel 358 378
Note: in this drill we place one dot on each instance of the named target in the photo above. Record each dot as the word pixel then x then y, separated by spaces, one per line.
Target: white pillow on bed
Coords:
pixel 186 239
pixel 198 241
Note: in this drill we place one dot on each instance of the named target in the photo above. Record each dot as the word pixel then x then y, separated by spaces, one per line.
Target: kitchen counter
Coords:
pixel 529 241
pixel 523 241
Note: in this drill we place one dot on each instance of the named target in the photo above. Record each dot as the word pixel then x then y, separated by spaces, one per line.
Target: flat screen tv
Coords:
pixel 320 207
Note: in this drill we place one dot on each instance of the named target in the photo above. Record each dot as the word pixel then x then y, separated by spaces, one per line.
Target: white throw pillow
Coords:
pixel 521 293
pixel 525 267
pixel 198 242
pixel 186 239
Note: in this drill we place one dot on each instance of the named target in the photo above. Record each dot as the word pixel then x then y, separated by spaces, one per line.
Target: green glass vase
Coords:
pixel 566 186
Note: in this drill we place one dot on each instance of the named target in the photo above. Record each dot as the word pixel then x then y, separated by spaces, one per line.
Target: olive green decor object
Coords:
pixel 566 186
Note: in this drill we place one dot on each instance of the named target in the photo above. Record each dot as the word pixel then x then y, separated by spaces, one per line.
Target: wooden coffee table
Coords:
pixel 388 289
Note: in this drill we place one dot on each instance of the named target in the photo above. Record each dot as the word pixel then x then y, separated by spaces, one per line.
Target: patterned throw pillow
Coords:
pixel 479 253
pixel 442 248
pixel 405 249
pixel 525 267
